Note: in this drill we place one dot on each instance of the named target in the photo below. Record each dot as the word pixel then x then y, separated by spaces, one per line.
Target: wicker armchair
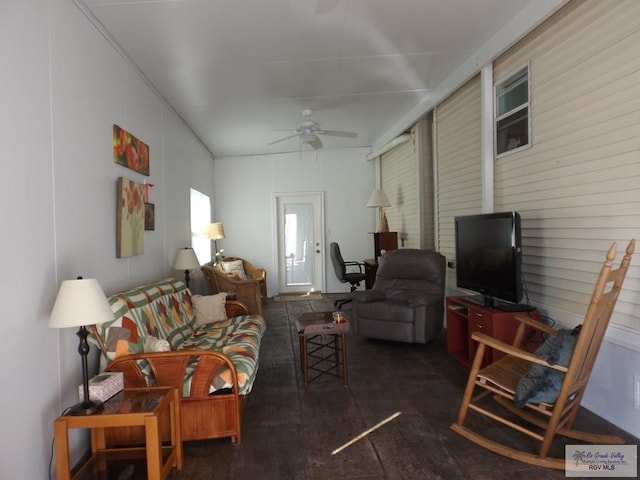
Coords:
pixel 246 291
pixel 254 273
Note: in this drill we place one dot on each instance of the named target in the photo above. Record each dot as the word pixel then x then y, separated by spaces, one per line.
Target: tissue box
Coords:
pixel 104 386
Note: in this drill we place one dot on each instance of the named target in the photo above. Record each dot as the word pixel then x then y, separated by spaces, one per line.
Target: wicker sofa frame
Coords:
pixel 203 415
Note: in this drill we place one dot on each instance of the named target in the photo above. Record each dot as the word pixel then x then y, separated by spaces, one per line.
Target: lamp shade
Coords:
pixel 378 199
pixel 186 260
pixel 80 302
pixel 214 231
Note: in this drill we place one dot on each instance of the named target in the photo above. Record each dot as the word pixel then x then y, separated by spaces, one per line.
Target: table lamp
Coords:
pixel 378 199
pixel 215 231
pixel 186 260
pixel 80 303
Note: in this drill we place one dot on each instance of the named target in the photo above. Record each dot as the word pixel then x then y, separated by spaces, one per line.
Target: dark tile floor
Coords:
pixel 288 433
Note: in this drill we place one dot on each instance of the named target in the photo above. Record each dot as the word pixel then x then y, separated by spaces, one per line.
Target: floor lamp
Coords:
pixel 79 303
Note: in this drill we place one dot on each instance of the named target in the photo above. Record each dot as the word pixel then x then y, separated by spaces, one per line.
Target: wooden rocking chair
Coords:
pixel 501 377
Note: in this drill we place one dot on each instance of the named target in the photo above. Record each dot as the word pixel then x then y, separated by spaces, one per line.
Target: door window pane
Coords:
pixel 298 243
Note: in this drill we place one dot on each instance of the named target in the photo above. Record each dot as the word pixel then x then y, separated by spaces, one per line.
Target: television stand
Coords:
pixel 465 316
pixel 513 307
pixel 491 302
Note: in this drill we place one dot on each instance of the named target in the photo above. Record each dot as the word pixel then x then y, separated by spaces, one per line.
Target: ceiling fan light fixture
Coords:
pixel 309 132
pixel 308 138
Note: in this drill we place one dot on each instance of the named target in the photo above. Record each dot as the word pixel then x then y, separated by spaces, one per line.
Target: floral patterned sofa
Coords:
pixel 213 365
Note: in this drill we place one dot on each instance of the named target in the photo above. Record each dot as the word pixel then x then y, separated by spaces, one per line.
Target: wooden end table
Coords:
pixel 130 407
pixel 324 357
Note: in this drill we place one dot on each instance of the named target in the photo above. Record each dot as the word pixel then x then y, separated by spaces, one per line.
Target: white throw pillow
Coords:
pixel 235 267
pixel 210 308
pixel 153 344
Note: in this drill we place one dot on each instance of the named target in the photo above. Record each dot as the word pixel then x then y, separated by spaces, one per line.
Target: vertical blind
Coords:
pixel 424 148
pixel 398 173
pixel 458 158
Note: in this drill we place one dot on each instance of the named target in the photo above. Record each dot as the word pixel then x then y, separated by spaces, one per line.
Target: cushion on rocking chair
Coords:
pixel 542 384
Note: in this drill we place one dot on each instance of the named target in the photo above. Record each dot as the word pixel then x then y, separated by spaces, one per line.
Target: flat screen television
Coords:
pixel 489 257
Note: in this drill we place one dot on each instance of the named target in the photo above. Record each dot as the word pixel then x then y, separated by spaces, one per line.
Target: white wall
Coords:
pixel 64 86
pixel 29 358
pixel 245 202
pixel 610 392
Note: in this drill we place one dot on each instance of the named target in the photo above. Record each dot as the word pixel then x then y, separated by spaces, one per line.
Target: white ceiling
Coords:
pixel 240 72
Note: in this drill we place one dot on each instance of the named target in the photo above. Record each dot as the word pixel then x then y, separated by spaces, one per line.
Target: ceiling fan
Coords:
pixel 309 132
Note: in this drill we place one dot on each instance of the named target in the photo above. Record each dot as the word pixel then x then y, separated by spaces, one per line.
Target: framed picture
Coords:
pixel 131 219
pixel 149 216
pixel 129 151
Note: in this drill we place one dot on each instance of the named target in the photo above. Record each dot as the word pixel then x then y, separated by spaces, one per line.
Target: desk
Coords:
pixel 313 329
pixel 370 270
pixel 130 407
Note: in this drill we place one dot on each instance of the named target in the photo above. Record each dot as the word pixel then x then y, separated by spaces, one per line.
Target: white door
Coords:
pixel 300 243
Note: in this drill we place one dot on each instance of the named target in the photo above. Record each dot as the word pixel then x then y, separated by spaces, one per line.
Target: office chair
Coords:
pixel 340 267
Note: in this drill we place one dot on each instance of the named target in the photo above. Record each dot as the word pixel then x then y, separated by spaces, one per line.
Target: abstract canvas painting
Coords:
pixel 130 152
pixel 130 224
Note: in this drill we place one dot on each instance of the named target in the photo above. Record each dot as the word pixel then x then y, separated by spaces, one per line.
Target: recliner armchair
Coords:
pixel 406 303
pixel 340 268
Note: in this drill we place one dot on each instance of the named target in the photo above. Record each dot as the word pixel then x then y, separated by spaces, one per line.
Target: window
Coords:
pixel 512 113
pixel 200 218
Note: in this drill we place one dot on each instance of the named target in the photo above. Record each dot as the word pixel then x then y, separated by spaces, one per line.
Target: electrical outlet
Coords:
pixel 636 391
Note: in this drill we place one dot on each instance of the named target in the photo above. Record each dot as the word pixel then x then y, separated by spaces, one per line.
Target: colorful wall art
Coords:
pixel 130 152
pixel 131 219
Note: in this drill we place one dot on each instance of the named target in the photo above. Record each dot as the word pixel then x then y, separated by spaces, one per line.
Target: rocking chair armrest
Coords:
pixel 533 323
pixel 511 350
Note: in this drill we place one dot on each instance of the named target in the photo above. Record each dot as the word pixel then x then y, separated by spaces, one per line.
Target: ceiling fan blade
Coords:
pixel 283 139
pixel 337 133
